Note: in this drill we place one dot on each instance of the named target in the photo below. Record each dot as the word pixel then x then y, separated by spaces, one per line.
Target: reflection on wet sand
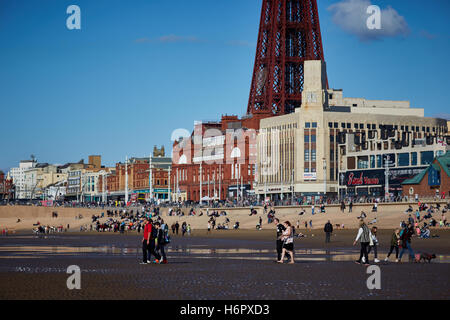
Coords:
pixel 178 252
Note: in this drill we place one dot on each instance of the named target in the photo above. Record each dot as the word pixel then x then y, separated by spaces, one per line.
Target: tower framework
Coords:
pixel 289 34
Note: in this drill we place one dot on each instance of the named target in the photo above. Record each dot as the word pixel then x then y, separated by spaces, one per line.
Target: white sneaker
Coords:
pixel 376 260
pixel 387 259
pixel 363 260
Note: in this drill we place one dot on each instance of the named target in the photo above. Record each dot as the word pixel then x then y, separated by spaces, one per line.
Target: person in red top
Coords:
pixel 148 243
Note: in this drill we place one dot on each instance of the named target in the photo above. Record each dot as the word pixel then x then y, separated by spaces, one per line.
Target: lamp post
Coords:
pixel 126 181
pixel 292 183
pixel 169 195
pixel 201 183
pixel 324 177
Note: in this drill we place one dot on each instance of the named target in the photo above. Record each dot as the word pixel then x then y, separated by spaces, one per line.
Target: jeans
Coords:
pixel 408 247
pixel 148 250
pixel 163 251
pixel 375 251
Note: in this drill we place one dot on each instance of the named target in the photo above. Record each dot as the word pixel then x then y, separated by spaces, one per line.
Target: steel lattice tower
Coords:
pixel 289 34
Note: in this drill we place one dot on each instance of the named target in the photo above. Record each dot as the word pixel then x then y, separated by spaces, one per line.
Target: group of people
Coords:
pixel 155 238
pixel 401 238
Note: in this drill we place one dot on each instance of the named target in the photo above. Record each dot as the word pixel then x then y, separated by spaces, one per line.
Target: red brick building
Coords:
pixel 138 178
pixel 219 157
pixel 432 181
pixel 6 186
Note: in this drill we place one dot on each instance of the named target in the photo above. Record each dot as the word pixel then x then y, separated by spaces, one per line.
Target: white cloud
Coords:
pixel 351 16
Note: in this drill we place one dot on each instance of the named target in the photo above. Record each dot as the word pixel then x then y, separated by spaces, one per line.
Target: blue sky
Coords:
pixel 137 70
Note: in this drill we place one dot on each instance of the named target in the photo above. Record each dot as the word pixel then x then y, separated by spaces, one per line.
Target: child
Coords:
pixel 374 244
pixel 395 241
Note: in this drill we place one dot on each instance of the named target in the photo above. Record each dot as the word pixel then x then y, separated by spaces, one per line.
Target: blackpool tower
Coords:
pixel 289 34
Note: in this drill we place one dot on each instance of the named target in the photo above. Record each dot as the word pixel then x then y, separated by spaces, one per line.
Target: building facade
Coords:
pixel 139 179
pixel 434 181
pixel 216 162
pixel 23 187
pixel 323 146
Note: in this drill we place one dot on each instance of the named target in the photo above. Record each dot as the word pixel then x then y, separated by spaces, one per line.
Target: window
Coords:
pixel 351 163
pixel 307 124
pixel 330 124
pixel 403 160
pixel 307 170
pixel 313 169
pixel 426 157
pixel 349 125
pixel 306 138
pixel 314 124
pixel 372 161
pixel 307 155
pixel 379 161
pixel 313 155
pixel 336 125
pixel 313 138
pixel 363 162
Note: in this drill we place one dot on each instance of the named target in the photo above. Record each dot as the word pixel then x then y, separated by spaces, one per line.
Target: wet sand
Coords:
pixel 229 264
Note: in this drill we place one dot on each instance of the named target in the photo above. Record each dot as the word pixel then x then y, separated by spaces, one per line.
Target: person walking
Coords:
pixel 350 207
pixel 405 237
pixel 280 230
pixel 395 241
pixel 288 242
pixel 146 241
pixel 177 226
pixel 328 229
pixel 183 228
pixel 374 244
pixel 364 237
pixel 161 241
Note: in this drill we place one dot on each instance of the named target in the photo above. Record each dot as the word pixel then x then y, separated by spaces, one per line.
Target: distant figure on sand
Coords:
pixel 328 229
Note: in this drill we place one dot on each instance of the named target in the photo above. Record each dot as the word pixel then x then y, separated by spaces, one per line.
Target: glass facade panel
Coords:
pixel 426 157
pixel 403 160
pixel 414 158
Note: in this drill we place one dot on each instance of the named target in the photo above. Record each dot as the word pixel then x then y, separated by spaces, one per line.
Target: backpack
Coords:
pixel 166 235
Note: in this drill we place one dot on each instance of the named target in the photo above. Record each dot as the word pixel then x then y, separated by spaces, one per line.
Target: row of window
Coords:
pixel 400 160
pixel 372 126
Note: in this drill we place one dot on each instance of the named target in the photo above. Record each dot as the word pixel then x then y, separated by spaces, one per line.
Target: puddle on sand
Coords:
pixel 312 255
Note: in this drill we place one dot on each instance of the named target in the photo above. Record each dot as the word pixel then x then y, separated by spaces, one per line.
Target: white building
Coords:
pixel 22 181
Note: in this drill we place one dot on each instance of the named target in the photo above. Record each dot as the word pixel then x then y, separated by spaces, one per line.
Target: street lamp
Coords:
pixel 324 176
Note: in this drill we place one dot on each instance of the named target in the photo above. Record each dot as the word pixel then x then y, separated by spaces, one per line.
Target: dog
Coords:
pixel 425 257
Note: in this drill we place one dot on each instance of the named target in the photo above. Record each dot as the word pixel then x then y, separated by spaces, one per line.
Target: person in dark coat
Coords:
pixel 328 229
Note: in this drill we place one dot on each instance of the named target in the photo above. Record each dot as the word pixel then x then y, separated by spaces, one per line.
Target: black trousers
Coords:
pixel 364 246
pixel 148 250
pixel 279 249
pixel 327 237
pixel 392 250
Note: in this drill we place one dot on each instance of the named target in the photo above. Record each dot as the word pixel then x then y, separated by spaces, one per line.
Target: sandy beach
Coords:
pixel 389 216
